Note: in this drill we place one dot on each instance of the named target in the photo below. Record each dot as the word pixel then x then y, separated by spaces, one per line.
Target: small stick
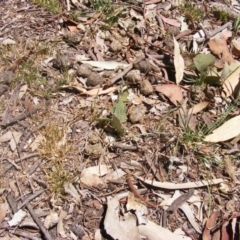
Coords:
pixel 20 117
pixel 216 31
pixel 39 223
pixel 17 161
pixel 134 190
pixel 23 234
pixel 30 198
pixel 125 71
pixel 161 24
pixel 183 34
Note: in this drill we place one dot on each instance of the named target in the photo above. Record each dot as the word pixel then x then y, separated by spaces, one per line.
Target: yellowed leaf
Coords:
pixel 178 62
pixel 198 107
pixel 228 130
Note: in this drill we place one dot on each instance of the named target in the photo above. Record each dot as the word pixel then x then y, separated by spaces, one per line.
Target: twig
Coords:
pixel 213 33
pixel 12 202
pixel 178 202
pixel 134 190
pixel 39 223
pixel 154 170
pixel 183 34
pixel 216 31
pixel 20 117
pixel 40 182
pixel 23 234
pixel 125 71
pixel 2 172
pixel 30 198
pixel 159 19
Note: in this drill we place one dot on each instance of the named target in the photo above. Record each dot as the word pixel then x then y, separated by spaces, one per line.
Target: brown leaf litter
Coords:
pixel 109 129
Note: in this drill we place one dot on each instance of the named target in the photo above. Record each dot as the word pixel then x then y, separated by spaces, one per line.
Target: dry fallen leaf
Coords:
pixel 3 211
pixel 198 107
pixel 228 130
pixel 178 62
pixel 231 82
pixel 220 48
pixel 210 224
pixel 173 92
pixel 120 228
pixel 169 21
pixel 91 175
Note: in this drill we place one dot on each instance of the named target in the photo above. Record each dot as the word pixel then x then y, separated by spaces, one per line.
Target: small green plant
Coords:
pixel 53 6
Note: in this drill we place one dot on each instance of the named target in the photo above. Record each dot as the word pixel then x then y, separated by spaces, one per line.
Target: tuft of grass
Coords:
pixel 57 176
pixel 55 148
pixel 191 11
pixel 53 6
pixel 110 11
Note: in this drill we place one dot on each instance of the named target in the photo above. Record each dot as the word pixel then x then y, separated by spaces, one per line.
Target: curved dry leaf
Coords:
pixel 232 81
pixel 169 185
pixel 173 92
pixel 169 21
pixel 92 92
pixel 210 224
pixel 178 62
pixel 198 107
pixel 190 216
pixel 228 130
pixel 109 65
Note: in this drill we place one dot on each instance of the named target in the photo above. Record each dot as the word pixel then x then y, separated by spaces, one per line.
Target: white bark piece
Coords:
pixel 17 218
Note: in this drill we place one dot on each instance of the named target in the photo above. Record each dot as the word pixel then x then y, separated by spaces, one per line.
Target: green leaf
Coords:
pixel 117 125
pixel 119 110
pixel 203 61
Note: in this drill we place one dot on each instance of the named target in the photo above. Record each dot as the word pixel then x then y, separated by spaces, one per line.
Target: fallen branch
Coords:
pixel 175 186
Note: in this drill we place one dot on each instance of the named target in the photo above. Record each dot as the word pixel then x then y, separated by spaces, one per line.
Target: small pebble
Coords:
pixel 134 76
pixel 116 46
pixel 84 70
pixel 136 113
pixel 94 79
pixel 146 87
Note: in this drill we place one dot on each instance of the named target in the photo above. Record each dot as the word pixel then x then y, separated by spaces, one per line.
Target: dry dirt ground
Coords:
pixel 119 120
